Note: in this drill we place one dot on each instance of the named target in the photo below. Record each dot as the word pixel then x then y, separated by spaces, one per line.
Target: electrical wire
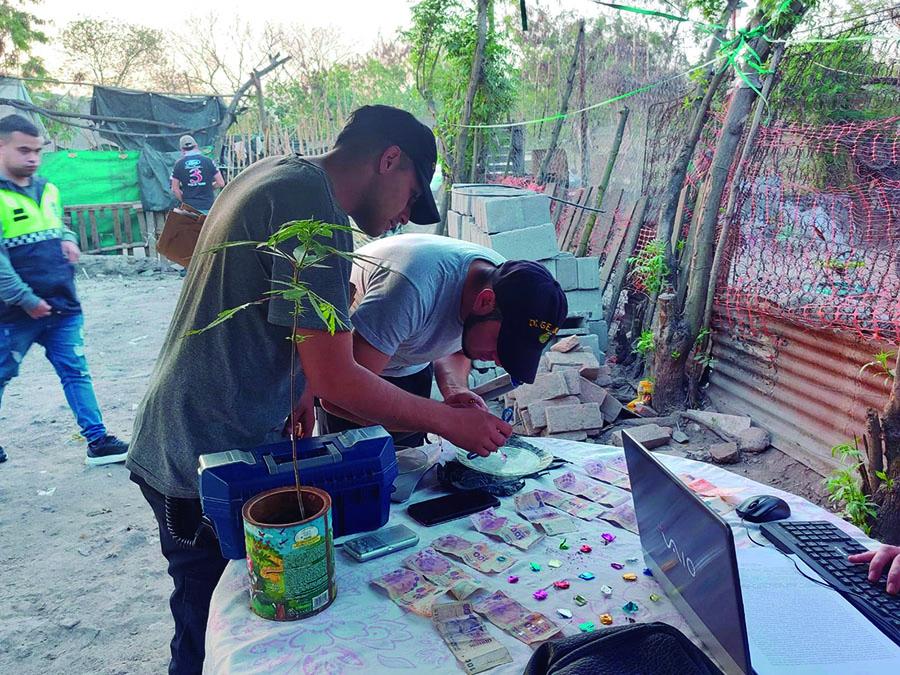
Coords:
pixel 802 573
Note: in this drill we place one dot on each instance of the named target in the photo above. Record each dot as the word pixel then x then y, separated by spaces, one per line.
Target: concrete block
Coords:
pixel 586 363
pixel 568 435
pixel 679 436
pixel 753 439
pixel 550 264
pixel 591 393
pixel 485 388
pixel 513 212
pixel 573 381
pixel 530 243
pixel 577 417
pixel 567 273
pixel 725 453
pixel 591 343
pixel 454 224
pixel 731 424
pixel 599 328
pixel 611 408
pixel 585 303
pixel 567 344
pixel 546 386
pixel 526 423
pixel 537 411
pixel 588 272
pixel 651 435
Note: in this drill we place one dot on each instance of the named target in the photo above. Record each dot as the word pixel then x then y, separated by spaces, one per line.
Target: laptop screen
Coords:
pixel 690 550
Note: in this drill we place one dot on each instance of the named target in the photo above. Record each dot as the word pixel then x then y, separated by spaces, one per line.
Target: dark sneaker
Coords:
pixel 3 456
pixel 107 450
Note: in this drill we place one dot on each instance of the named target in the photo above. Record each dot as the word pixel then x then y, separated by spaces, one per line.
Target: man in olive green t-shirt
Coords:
pixel 229 387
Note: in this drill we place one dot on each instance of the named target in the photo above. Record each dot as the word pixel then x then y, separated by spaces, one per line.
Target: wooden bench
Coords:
pixel 91 221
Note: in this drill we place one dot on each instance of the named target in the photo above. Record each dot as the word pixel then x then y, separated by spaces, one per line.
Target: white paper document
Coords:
pixel 797 627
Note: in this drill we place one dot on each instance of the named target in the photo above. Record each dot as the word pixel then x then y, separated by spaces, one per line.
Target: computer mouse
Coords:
pixel 763 508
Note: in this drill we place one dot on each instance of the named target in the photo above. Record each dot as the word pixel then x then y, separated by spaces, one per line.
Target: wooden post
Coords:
pixel 260 106
pixel 231 112
pixel 583 122
pixel 607 172
pixel 563 107
pixel 617 281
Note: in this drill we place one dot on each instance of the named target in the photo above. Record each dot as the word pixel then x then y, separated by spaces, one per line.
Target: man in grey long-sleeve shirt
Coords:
pixel 38 302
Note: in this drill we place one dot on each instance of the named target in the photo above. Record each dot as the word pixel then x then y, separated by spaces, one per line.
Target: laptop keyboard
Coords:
pixel 825 548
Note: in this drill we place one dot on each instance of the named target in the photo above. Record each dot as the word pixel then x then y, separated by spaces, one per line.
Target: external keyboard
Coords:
pixel 824 548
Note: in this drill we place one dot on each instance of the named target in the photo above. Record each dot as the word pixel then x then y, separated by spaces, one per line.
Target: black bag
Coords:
pixel 636 649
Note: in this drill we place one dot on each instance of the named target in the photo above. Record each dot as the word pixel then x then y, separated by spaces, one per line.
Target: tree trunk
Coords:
pixel 604 183
pixel 231 112
pixel 699 109
pixel 516 161
pixel 672 347
pixel 724 156
pixel 563 107
pixel 886 527
pixel 735 187
pixel 458 170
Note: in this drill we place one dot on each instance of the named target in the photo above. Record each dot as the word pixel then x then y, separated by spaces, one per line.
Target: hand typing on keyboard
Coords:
pixel 886 557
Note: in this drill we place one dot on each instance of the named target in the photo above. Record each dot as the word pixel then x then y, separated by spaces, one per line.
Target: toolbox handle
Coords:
pixel 331 456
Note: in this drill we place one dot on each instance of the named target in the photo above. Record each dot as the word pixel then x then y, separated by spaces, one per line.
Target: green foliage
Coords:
pixel 702 335
pixel 829 82
pixel 705 359
pixel 645 344
pixel 20 31
pixel 443 38
pixel 844 489
pixel 383 76
pixel 880 364
pixel 650 267
pixel 309 252
pixel 888 481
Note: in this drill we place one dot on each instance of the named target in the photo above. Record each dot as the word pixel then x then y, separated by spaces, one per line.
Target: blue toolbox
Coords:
pixel 356 467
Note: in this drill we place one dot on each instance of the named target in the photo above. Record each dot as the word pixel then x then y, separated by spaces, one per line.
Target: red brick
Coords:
pixel 567 344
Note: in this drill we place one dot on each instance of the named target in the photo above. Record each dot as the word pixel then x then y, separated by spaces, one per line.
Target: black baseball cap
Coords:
pixel 532 307
pixel 402 129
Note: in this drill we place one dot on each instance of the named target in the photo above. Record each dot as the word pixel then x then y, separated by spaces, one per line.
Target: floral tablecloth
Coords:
pixel 365 632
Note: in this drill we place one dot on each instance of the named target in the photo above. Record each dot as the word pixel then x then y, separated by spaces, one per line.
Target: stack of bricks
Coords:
pixel 517 224
pixel 565 400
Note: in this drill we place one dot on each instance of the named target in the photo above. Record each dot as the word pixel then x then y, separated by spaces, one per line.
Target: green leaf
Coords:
pixel 224 316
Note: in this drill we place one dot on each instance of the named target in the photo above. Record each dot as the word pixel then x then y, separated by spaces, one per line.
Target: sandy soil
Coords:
pixel 86 589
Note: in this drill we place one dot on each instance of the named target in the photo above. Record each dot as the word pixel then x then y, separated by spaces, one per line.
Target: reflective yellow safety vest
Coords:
pixel 24 221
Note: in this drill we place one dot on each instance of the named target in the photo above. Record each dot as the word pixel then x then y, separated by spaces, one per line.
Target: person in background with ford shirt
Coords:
pixel 195 176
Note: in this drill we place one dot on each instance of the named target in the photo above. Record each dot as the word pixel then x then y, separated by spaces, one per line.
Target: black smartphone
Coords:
pixel 450 507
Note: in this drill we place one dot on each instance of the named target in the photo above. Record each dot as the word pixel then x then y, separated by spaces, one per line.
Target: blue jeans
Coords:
pixel 62 337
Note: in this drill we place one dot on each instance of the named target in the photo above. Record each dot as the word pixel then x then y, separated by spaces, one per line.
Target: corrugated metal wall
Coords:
pixel 803 385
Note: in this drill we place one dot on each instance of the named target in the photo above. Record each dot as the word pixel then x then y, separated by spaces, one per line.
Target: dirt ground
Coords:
pixel 86 589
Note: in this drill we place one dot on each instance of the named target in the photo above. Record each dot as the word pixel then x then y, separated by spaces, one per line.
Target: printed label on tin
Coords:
pixel 291 568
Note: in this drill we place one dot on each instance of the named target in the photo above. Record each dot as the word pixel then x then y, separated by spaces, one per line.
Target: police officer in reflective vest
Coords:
pixel 38 302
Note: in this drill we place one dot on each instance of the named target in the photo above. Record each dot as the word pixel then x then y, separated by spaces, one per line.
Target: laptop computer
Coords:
pixel 690 550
